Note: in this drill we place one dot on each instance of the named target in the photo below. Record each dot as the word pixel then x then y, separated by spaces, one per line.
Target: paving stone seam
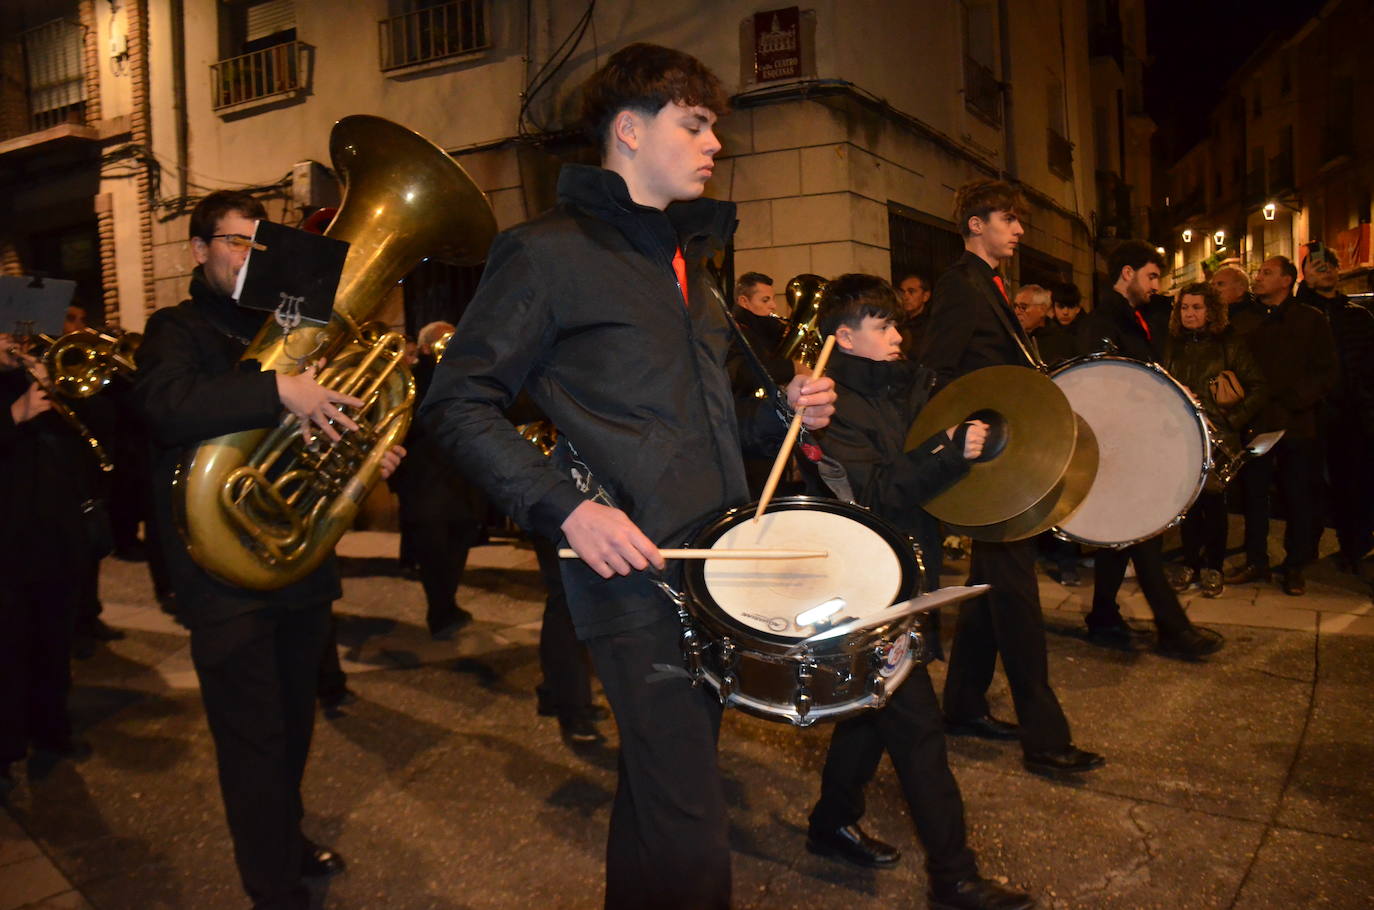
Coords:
pixel 1273 822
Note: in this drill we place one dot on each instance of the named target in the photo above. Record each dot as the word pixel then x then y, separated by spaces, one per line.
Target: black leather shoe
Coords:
pixel 853 846
pixel 1246 574
pixel 978 893
pixel 73 750
pixel 447 628
pixel 579 729
pixel 317 861
pixel 1069 760
pixel 1117 636
pixel 1293 583
pixel 985 727
pixel 1193 643
pixel 102 631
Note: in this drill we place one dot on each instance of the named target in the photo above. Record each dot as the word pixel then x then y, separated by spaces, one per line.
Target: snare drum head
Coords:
pixel 1152 449
pixel 869 567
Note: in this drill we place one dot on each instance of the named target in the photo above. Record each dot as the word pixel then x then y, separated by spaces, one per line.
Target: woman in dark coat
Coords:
pixel 1201 347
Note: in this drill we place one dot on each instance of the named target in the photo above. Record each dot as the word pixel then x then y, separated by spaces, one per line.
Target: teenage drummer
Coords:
pixel 1119 322
pixel 880 394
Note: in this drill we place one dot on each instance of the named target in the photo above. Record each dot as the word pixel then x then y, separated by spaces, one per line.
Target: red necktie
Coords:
pixel 997 280
pixel 1144 325
pixel 680 270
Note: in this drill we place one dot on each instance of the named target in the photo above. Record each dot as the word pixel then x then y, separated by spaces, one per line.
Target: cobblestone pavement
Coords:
pixel 1244 781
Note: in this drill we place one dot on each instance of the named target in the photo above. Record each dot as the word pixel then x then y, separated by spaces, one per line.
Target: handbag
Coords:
pixel 1226 389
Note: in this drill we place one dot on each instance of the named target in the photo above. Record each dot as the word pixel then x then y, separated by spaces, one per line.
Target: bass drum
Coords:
pixel 744 618
pixel 1153 449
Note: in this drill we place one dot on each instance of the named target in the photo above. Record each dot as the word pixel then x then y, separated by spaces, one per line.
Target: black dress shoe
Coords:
pixel 985 727
pixel 579 729
pixel 73 750
pixel 101 631
pixel 853 846
pixel 978 893
pixel 446 628
pixel 1293 583
pixel 1193 643
pixel 1246 574
pixel 1117 635
pixel 1069 760
pixel 317 861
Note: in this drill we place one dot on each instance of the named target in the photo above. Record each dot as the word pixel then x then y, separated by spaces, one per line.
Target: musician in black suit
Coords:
pixel 972 326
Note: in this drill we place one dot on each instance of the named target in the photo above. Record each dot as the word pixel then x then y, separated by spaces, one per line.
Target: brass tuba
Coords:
pixel 261 508
pixel 803 339
pixel 83 362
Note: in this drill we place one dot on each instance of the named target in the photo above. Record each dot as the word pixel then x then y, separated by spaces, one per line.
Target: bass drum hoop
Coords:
pixel 1205 469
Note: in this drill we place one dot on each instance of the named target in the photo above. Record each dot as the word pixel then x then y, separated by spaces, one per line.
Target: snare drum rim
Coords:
pixel 720 621
pixel 1198 418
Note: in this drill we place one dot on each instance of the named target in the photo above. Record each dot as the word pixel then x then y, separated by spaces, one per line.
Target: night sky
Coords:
pixel 1194 45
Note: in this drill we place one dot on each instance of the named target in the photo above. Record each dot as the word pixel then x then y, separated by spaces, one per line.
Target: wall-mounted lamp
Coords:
pixel 1219 238
pixel 1159 250
pixel 1187 235
pixel 1270 210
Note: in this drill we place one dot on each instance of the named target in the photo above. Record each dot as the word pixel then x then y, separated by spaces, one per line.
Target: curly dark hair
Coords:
pixel 215 206
pixel 642 78
pixel 1217 317
pixel 981 198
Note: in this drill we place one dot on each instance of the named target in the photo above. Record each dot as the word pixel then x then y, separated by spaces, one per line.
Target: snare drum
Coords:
pixel 1153 449
pixel 744 616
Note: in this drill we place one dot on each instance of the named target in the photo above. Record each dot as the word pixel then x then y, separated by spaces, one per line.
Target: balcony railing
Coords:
pixel 435 33
pixel 982 94
pixel 272 71
pixel 54 75
pixel 1061 154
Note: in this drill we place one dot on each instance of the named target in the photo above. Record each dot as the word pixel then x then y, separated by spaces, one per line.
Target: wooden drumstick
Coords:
pixel 783 453
pixel 568 553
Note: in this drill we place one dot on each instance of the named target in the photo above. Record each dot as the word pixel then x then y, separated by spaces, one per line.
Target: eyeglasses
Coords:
pixel 240 241
pixel 1022 307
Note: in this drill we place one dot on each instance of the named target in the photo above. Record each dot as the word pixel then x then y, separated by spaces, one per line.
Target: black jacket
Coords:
pixel 1352 329
pixel 1195 359
pixel 1057 343
pixel 581 308
pixel 1113 324
pixel 765 335
pixel 1296 353
pixel 191 386
pixel 971 324
pixel 877 402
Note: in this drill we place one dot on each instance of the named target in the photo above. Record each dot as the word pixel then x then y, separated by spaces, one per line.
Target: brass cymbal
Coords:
pixel 1034 433
pixel 1058 504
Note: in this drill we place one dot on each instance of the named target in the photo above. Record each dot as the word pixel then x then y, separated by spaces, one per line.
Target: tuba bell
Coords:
pixel 262 508
pixel 803 339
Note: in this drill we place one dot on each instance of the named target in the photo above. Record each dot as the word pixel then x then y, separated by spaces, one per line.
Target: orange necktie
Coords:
pixel 680 270
pixel 997 280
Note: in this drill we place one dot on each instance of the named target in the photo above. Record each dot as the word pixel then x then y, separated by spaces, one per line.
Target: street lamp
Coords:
pixel 1219 238
pixel 1187 235
pixel 1270 210
pixel 1159 250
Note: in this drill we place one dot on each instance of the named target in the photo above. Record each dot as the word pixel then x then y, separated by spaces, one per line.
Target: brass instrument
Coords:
pixel 82 363
pixel 440 345
pixel 261 508
pixel 541 434
pixel 803 339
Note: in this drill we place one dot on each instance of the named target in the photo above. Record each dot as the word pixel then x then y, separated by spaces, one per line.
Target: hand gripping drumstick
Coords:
pixel 568 553
pixel 778 463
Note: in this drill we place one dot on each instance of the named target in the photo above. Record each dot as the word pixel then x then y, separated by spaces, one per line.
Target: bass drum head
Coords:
pixel 1153 449
pixel 870 566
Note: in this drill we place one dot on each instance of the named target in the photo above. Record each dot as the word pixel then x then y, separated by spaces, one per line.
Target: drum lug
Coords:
pixel 803 700
pixel 729 662
pixel 691 647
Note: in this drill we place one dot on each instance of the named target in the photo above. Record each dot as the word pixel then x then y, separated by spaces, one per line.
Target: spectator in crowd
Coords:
pixel 1297 355
pixel 1202 349
pixel 1058 337
pixel 1032 308
pixel 914 289
pixel 1244 312
pixel 1350 495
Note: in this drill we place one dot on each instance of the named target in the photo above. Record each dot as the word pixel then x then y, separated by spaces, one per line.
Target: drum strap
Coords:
pixel 829 471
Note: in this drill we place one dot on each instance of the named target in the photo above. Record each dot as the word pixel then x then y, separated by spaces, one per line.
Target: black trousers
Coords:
pixel 441 549
pixel 257 679
pixel 1204 532
pixel 1148 556
pixel 563 660
pixel 333 682
pixel 911 729
pixel 1005 623
pixel 1294 463
pixel 35 660
pixel 1350 489
pixel 668 845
